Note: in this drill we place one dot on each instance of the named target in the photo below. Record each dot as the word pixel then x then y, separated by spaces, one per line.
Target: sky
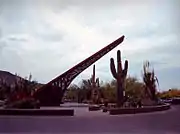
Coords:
pixel 48 37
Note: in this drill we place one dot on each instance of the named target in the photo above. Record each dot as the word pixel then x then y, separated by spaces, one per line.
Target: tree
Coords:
pixel 72 93
pixel 134 88
pixel 85 89
pixel 109 92
pixel 171 93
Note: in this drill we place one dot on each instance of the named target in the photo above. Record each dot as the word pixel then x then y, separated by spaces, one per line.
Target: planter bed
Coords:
pixel 94 108
pixel 176 101
pixel 116 111
pixel 105 109
pixel 38 112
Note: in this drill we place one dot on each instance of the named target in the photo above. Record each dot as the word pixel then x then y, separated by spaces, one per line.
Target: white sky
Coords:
pixel 47 37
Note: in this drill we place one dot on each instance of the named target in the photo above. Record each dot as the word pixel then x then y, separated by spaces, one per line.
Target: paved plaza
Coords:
pixel 165 122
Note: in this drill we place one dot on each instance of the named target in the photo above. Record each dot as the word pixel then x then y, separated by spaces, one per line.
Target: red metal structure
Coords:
pixel 51 93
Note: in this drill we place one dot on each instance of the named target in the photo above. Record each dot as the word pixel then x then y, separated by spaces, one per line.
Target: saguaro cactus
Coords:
pixel 120 76
pixel 94 83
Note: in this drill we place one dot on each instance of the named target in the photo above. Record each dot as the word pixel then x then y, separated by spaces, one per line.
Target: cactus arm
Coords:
pixel 94 73
pixel 113 69
pixel 94 77
pixel 126 65
pixel 97 82
pixel 91 79
pixel 157 80
pixel 119 64
pixel 89 83
pixel 125 68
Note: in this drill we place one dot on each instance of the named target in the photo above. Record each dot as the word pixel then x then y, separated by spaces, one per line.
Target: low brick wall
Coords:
pixel 37 112
pixel 116 111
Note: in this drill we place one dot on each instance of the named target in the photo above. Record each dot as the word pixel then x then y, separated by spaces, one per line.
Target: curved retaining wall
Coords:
pixel 116 111
pixel 37 112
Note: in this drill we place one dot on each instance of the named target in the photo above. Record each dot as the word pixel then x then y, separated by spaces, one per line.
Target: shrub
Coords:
pixel 29 103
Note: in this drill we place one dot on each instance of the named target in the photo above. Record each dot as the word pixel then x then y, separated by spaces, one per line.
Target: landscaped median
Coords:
pixel 38 112
pixel 146 109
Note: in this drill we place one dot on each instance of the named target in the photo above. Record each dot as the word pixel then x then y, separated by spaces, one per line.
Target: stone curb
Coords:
pixel 37 112
pixel 116 111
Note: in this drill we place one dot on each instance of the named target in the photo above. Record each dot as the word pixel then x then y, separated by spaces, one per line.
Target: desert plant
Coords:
pixel 5 89
pixel 94 82
pixel 27 103
pixel 120 76
pixel 150 81
pixel 22 88
pixel 94 86
pixel 25 86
